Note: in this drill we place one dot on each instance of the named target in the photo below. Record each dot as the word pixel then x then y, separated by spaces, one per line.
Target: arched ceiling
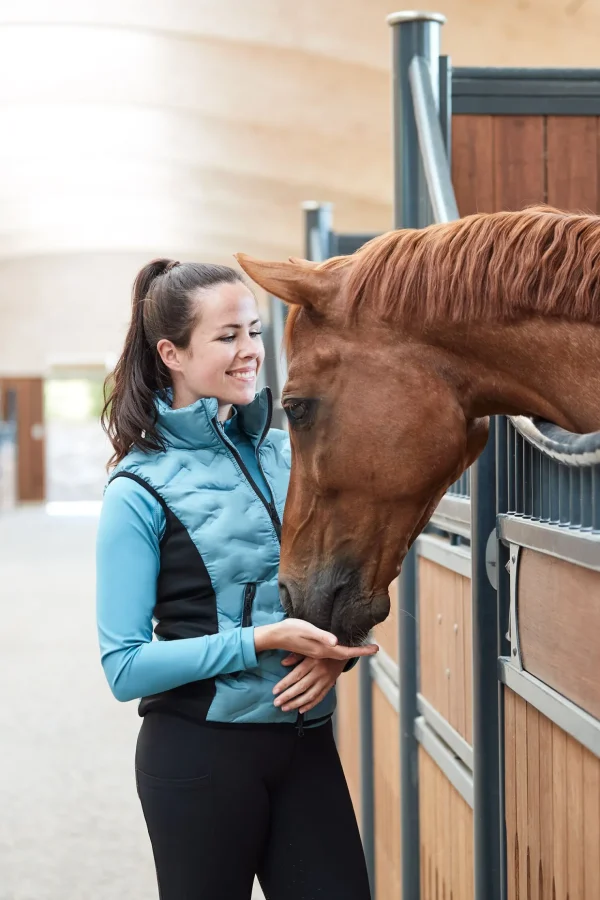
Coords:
pixel 193 127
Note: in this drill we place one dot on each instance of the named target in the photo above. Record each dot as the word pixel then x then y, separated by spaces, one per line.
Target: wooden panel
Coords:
pixel 31 460
pixel 570 665
pixel 386 755
pixel 348 732
pixel 572 162
pixel 473 163
pixel 552 805
pixel 445 643
pixel 446 837
pixel 518 161
pixel 386 634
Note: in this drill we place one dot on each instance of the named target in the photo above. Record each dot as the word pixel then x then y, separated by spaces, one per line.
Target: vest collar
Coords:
pixel 194 426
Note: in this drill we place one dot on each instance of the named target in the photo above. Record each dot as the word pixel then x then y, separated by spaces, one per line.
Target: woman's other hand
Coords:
pixel 307 684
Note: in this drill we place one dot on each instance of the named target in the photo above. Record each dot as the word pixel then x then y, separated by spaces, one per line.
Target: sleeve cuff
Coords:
pixel 248 648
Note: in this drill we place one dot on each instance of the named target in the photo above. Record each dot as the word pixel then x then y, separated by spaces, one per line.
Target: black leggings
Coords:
pixel 223 804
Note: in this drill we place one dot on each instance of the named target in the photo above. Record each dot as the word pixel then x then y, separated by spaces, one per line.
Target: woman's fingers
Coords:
pixel 313 703
pixel 295 690
pixel 299 672
pixel 308 699
pixel 340 652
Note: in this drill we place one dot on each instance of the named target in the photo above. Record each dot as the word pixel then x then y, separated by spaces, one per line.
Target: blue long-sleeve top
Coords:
pixel 132 523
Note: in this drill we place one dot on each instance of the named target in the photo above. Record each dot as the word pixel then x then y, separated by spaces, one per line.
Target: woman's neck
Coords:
pixel 183 396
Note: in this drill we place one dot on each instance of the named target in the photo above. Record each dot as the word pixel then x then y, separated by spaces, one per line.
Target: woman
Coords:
pixel 236 767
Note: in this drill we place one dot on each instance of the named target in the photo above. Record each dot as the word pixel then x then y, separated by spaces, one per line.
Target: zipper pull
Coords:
pixel 300 725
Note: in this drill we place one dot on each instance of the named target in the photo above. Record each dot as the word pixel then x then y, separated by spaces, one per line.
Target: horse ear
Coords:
pixel 298 282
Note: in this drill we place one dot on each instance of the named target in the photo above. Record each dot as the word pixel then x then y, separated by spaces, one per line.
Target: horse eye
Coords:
pixel 300 413
pixel 297 410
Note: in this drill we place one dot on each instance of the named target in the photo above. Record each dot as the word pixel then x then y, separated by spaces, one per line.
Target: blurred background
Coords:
pixel 190 129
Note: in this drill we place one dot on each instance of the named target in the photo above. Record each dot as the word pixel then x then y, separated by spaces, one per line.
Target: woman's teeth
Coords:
pixel 243 376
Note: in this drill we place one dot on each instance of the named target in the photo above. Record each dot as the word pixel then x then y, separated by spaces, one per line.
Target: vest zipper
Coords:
pixel 269 506
pixel 249 595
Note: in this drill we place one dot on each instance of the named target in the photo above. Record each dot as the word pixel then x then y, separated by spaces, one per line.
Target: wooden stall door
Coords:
pixel 31 463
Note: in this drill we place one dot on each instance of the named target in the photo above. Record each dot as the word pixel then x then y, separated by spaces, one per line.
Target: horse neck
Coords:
pixel 543 367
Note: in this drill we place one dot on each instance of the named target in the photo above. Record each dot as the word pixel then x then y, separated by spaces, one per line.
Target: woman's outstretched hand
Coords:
pixel 298 636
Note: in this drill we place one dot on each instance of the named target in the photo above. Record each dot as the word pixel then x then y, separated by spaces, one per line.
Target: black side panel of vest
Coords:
pixel 186 607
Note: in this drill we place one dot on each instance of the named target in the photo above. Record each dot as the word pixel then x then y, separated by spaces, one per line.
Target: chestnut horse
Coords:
pixel 397 355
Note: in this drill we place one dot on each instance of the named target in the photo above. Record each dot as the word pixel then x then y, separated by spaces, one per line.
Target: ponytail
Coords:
pixel 163 307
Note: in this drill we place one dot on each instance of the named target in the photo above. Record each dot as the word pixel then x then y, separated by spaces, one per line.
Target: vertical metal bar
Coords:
pixel 545 489
pixel 564 500
pixel 536 477
pixel 486 736
pixel 554 493
pixel 510 466
pixel 446 105
pixel 504 451
pixel 366 768
pixel 574 498
pixel 518 473
pixel 409 755
pixel 596 498
pixel 527 453
pixel 318 218
pixel 586 499
pixel 414 34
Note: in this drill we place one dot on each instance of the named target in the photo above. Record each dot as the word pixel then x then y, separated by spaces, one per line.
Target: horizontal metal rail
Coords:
pixel 578 547
pixel 453 768
pixel 567 715
pixel 453 515
pixel 437 550
pixel 445 731
pixel 557 443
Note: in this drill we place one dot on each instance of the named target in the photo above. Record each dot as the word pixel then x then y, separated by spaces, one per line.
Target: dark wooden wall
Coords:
pixel 31 463
pixel 507 162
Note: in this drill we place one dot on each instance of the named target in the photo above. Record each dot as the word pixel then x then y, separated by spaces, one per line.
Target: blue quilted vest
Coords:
pixel 220 552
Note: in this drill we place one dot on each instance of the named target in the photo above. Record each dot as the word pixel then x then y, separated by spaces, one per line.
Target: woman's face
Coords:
pixel 225 351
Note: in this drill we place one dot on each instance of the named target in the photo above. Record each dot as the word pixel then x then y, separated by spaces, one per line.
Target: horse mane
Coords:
pixel 487 267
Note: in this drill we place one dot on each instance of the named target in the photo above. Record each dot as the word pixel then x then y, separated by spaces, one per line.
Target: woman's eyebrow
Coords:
pixel 254 322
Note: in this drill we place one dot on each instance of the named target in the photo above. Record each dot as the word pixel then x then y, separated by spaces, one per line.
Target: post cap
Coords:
pixel 415 15
pixel 314 204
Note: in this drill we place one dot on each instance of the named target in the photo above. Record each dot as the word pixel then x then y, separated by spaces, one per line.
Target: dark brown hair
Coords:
pixel 163 308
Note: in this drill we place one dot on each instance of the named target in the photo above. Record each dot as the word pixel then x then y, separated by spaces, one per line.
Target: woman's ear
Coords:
pixel 169 354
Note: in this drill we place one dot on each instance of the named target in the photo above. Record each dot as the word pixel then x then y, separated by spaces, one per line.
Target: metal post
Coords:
pixel 318 230
pixel 367 786
pixel 487 776
pixel 409 747
pixel 415 34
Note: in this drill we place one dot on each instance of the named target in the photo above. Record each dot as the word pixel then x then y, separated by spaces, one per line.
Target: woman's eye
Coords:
pixel 228 339
pixel 255 334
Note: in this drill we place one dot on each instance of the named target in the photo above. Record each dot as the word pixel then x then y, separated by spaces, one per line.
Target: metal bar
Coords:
pixel 564 500
pixel 554 493
pixel 596 500
pixel 536 485
pixel 318 219
pixel 453 514
pixel 545 489
pixel 575 498
pixel 367 788
pixel 446 732
pixel 571 718
pixel 486 758
pixel 579 547
pixel 414 34
pixel 518 474
pixel 510 466
pixel 457 559
pixel 445 93
pixel 431 142
pixel 409 756
pixel 586 499
pixel 455 771
pixel 504 452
